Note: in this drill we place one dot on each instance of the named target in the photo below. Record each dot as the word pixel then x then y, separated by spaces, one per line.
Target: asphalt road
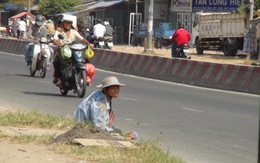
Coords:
pixel 198 125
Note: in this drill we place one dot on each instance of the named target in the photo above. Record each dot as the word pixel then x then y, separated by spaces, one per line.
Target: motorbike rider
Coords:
pixel 35 31
pixel 99 29
pixel 50 33
pixel 179 38
pixel 109 29
pixel 70 35
pixel 50 27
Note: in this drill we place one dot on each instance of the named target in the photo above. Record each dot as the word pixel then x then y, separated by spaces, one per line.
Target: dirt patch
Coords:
pixel 82 131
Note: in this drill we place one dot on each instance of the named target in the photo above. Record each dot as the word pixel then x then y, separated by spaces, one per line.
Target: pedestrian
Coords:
pixel 22 28
pixel 97 107
pixel 179 38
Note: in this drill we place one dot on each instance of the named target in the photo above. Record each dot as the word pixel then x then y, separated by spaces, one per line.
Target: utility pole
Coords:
pixel 28 8
pixel 251 9
pixel 150 25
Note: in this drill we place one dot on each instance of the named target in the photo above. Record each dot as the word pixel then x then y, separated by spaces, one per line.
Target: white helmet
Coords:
pixel 67 18
pixel 106 23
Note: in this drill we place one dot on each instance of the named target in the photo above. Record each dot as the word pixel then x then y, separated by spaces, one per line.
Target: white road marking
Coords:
pixel 195 110
pixel 130 99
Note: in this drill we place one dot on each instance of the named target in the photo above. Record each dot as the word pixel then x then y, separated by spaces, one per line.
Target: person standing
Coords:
pixel 97 107
pixel 22 28
pixel 179 38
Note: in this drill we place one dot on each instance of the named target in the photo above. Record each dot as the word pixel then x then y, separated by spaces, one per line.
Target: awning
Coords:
pixel 101 5
pixel 22 14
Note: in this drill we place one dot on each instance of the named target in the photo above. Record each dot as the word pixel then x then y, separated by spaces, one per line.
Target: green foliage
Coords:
pixel 51 7
pixel 245 7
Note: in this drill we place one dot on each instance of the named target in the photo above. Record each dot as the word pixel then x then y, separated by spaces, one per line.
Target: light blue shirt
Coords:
pixel 94 108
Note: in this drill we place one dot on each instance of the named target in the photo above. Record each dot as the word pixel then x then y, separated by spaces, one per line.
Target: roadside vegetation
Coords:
pixel 143 152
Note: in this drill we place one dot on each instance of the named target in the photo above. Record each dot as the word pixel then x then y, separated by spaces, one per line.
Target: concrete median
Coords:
pixel 239 78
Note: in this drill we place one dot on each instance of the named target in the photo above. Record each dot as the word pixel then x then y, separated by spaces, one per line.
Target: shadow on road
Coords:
pixel 49 94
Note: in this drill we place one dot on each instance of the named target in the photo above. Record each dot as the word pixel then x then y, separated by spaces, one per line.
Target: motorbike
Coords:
pixel 22 34
pixel 99 42
pixel 108 42
pixel 182 51
pixel 73 69
pixel 40 57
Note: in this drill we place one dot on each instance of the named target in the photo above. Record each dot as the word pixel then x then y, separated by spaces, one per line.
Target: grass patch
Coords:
pixel 35 119
pixel 143 152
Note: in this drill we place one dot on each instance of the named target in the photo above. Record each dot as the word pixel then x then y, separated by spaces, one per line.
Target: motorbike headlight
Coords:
pixel 78 46
pixel 43 39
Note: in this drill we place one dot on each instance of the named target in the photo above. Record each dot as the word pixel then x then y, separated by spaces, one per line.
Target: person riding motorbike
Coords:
pixel 35 31
pixel 50 33
pixel 70 35
pixel 99 29
pixel 179 38
pixel 109 29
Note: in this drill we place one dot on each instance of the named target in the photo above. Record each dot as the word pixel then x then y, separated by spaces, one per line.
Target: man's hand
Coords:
pixel 112 118
pixel 91 45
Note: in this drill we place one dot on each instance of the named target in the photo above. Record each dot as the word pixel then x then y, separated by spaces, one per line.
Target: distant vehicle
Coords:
pixel 221 31
pixel 163 36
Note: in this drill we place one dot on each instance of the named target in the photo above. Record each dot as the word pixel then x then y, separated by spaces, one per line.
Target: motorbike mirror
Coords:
pixel 61 36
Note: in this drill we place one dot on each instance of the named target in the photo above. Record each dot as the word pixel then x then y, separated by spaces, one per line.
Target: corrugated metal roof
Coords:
pixel 97 6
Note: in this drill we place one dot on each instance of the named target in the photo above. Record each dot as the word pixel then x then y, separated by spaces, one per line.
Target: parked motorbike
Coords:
pixel 108 43
pixel 182 51
pixel 73 69
pixel 21 35
pixel 40 57
pixel 11 31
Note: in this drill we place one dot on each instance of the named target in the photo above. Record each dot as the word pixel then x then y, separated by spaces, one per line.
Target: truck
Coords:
pixel 219 31
pixel 161 35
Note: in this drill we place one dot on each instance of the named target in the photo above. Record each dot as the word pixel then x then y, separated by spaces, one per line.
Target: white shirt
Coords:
pixel 99 30
pixel 22 25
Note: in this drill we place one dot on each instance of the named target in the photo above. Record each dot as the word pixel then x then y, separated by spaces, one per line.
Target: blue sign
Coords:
pixel 215 5
pixel 10 7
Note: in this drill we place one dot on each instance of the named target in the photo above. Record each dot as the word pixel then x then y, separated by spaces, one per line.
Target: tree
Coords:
pixel 245 7
pixel 47 7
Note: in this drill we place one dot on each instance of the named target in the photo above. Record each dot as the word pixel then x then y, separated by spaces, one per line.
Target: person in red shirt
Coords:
pixel 179 38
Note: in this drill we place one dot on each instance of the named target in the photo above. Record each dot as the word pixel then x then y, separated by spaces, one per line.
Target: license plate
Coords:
pixel 186 50
pixel 110 43
pixel 101 43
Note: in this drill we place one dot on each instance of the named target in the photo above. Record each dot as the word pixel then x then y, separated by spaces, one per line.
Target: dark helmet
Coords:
pixel 39 20
pixel 99 21
pixel 181 25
